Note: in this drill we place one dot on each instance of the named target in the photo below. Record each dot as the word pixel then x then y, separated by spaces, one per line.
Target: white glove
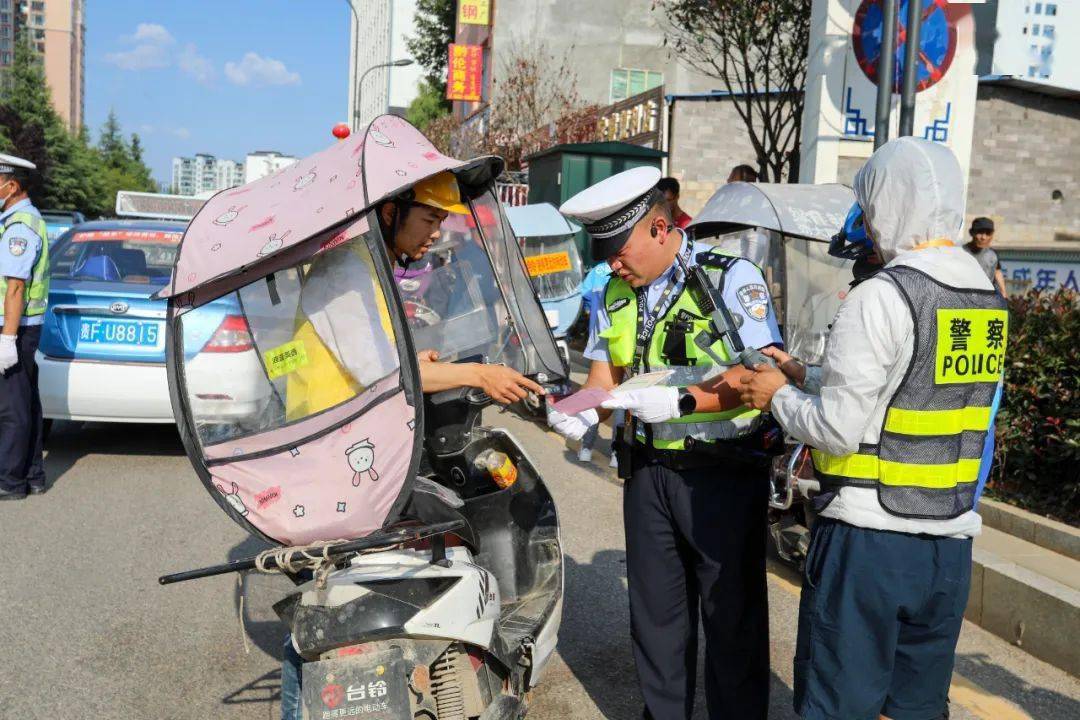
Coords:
pixel 656 404
pixel 572 426
pixel 9 353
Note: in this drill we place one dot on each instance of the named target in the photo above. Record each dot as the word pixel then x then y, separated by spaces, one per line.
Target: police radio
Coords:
pixel 722 325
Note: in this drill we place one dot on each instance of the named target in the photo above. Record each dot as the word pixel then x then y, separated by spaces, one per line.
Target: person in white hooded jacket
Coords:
pixel 898 416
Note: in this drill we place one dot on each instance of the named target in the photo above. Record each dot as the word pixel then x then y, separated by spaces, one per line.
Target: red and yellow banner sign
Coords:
pixel 465 72
pixel 548 263
pixel 474 12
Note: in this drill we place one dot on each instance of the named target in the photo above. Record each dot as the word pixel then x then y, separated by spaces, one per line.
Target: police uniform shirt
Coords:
pixel 19 250
pixel 745 294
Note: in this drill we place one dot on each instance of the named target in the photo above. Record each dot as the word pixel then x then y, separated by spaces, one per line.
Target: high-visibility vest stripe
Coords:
pixel 936 422
pixel 871 468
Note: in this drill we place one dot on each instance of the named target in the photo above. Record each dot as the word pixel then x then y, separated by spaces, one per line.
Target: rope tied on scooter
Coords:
pixel 293 559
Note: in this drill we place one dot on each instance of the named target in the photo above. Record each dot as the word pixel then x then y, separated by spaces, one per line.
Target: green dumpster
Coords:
pixel 560 172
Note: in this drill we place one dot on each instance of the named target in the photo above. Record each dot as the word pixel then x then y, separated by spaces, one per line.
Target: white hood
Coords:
pixel 911 192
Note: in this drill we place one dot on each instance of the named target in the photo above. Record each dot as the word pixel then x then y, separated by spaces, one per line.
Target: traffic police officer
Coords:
pixel 695 500
pixel 24 286
pixel 900 416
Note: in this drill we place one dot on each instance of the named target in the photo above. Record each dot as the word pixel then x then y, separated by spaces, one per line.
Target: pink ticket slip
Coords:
pixel 582 400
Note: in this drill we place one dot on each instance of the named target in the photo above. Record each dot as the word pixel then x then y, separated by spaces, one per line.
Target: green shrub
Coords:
pixel 1038 427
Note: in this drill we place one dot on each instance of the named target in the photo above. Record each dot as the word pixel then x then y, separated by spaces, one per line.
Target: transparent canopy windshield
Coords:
pixel 289 346
pixel 453 303
pixel 470 297
pixel 554 264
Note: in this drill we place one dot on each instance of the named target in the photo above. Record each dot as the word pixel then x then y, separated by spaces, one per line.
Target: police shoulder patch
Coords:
pixel 754 299
pixel 618 304
pixel 16 246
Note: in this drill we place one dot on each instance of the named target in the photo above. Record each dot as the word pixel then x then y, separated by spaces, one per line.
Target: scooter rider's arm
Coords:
pixel 865 345
pixel 504 385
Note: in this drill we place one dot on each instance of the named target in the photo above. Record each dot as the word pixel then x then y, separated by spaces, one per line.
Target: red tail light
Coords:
pixel 232 335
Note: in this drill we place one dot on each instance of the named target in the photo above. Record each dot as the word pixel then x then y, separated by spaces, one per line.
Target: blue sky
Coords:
pixel 223 77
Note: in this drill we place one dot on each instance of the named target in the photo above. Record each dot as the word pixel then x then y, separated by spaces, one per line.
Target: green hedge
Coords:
pixel 1037 458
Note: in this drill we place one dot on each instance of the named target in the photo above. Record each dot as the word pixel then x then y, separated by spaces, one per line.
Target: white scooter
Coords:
pixel 425 547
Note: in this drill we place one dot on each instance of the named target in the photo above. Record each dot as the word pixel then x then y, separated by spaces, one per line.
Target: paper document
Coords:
pixel 590 398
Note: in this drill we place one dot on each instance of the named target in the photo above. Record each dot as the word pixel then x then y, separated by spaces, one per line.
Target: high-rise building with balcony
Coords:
pixel 56 30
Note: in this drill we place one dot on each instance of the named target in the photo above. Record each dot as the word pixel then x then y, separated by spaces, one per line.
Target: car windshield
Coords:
pixel 137 256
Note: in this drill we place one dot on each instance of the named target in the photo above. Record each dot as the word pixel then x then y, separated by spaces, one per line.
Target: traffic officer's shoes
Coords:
pixel 37 489
pixel 12 494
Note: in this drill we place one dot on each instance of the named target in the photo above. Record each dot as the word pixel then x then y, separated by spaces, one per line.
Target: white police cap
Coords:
pixel 610 208
pixel 10 164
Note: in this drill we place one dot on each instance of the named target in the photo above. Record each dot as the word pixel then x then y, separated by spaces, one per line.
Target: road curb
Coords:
pixel 1027 609
pixel 1050 534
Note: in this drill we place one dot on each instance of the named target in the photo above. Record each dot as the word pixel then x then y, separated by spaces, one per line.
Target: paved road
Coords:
pixel 88 632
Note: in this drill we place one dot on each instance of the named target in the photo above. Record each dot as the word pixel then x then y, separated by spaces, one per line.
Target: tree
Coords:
pixel 429 105
pixel 434 20
pixel 534 103
pixel 759 51
pixel 71 173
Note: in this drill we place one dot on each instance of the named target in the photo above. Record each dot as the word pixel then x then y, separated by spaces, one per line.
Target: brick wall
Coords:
pixel 707 140
pixel 1026 146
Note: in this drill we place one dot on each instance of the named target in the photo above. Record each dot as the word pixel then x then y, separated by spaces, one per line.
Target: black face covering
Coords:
pixel 864 269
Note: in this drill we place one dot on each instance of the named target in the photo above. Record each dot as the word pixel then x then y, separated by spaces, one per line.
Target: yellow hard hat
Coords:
pixel 440 191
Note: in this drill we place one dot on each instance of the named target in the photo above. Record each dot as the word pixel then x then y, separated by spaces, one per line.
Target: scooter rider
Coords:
pixel 410 225
pixel 696 489
pixel 899 416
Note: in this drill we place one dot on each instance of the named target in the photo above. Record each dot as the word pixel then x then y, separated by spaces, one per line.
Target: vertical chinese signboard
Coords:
pixel 474 12
pixel 465 72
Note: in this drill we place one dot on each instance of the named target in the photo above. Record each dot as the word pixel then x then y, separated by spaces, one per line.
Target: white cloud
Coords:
pixel 152 43
pixel 147 129
pixel 152 33
pixel 254 69
pixel 182 133
pixel 195 65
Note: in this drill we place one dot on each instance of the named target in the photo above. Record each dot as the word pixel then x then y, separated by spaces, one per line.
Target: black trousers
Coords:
pixel 21 441
pixel 695 545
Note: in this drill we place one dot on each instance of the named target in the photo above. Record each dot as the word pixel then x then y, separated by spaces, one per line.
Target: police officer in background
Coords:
pixel 695 499
pixel 24 286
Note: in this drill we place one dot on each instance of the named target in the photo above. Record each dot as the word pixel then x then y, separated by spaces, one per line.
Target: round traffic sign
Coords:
pixel 937 41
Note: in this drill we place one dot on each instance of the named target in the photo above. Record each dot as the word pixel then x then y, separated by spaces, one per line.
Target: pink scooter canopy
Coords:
pixel 292 370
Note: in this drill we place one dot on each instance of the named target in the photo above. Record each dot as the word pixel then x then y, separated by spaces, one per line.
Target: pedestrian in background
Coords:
pixel 982 235
pixel 752 243
pixel 592 293
pixel 24 287
pixel 669 186
pixel 742 173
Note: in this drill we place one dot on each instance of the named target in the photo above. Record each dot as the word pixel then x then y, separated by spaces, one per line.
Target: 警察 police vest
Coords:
pixel 927 461
pixel 36 296
pixel 672 346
